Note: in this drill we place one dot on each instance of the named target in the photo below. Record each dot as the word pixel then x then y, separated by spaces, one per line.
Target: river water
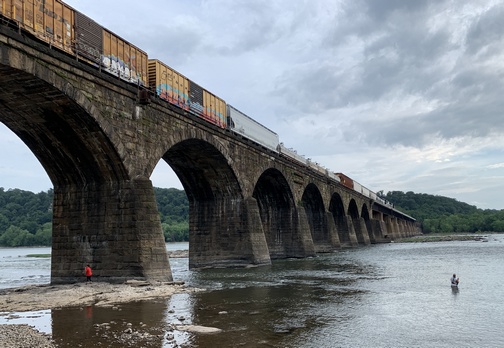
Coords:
pixel 387 295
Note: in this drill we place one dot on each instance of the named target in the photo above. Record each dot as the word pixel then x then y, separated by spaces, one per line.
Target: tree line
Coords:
pixel 26 217
pixel 438 214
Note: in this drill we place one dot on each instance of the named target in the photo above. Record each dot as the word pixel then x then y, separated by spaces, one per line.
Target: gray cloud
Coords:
pixel 486 32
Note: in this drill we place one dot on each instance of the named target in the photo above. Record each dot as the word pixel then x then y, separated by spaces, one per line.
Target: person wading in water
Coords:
pixel 454 280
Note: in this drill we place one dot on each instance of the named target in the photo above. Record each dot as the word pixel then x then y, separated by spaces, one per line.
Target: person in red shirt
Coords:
pixel 88 273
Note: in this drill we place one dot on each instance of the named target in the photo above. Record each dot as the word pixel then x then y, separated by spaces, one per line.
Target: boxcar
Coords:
pixel 333 176
pixel 372 195
pixel 207 105
pixel 51 21
pixel 251 129
pixel 169 84
pixel 365 191
pixel 175 88
pixel 292 154
pixel 345 180
pixel 357 187
pixel 317 167
pixel 108 51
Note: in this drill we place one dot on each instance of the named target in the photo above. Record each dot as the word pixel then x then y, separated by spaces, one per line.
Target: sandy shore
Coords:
pixel 39 297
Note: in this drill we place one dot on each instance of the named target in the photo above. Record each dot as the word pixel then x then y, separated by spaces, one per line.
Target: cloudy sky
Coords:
pixel 397 94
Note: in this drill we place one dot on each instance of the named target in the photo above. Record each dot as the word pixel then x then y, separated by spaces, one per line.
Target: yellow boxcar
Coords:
pixel 49 20
pixel 170 85
pixel 123 59
pixel 207 106
pixel 214 109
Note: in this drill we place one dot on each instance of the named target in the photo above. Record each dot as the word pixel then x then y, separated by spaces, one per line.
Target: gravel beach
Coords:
pixel 23 336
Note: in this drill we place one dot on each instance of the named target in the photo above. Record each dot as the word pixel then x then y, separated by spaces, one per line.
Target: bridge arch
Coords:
pixel 337 209
pixel 61 131
pixel 278 214
pixel 61 126
pixel 313 206
pixel 215 202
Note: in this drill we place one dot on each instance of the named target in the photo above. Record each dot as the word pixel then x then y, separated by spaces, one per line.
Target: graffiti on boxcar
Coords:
pixel 118 67
pixel 173 95
pixel 87 51
pixel 168 76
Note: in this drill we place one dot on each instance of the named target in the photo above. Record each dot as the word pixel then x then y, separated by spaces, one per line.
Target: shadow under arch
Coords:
pixel 338 211
pixel 278 215
pixel 218 234
pixel 91 221
pixel 368 224
pixel 313 205
pixel 68 142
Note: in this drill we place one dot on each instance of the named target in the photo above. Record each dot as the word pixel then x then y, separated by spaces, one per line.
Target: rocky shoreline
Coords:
pixel 24 336
pixel 40 297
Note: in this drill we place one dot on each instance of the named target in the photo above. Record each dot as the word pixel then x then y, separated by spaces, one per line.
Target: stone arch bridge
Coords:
pixel 99 146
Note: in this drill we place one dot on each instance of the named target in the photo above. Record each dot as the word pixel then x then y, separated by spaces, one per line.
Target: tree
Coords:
pixel 15 236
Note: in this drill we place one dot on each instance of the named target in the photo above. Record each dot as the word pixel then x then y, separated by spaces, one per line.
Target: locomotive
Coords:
pixel 63 27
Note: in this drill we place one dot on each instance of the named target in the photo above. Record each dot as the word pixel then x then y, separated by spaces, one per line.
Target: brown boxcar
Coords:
pixel 49 20
pixel 345 180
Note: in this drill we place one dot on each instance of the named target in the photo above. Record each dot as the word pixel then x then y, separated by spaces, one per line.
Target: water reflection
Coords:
pixel 90 326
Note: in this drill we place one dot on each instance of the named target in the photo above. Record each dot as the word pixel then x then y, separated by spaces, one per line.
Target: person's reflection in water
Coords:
pixel 89 312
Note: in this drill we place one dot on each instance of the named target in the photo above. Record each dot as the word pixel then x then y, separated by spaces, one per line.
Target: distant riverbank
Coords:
pixel 444 237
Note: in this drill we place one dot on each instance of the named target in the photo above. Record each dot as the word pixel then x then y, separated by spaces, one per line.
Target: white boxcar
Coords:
pixel 249 128
pixel 365 191
pixel 357 187
pixel 317 167
pixel 291 153
pixel 372 195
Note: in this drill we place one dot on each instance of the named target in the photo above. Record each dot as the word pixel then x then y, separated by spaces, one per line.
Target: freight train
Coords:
pixel 61 26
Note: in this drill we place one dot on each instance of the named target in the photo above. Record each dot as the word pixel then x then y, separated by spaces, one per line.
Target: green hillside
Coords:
pixel 26 217
pixel 445 215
